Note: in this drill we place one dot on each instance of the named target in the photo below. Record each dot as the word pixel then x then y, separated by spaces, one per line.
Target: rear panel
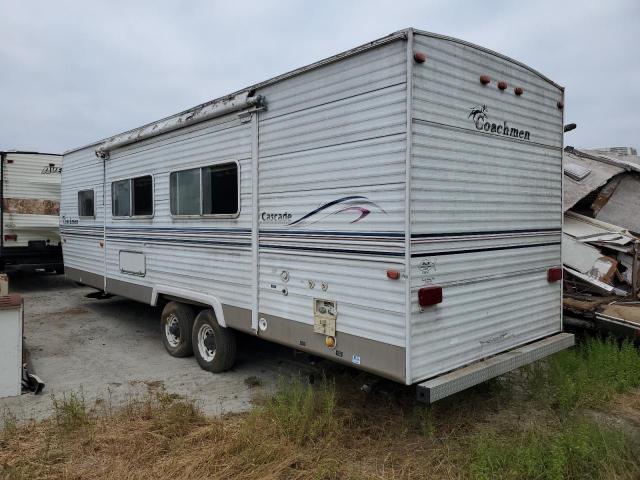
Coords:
pixel 486 208
pixel 31 198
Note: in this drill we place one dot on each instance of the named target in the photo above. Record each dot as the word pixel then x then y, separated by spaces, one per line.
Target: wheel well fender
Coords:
pixel 199 297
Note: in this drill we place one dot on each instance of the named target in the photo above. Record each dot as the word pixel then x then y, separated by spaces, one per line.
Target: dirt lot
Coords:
pixel 111 349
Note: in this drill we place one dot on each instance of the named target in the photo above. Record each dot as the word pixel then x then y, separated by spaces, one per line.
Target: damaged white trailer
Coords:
pixel 397 208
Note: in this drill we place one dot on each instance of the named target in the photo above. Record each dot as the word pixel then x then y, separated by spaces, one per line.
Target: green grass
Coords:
pixel 574 449
pixel 70 411
pixel 301 411
pixel 587 375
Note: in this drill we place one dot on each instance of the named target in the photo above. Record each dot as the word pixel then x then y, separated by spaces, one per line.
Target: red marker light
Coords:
pixel 419 57
pixel 560 104
pixel 554 274
pixel 485 79
pixel 430 295
pixel 502 85
pixel 12 237
pixel 518 91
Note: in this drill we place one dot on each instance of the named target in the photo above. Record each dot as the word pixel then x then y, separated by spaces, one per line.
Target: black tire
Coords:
pixel 176 324
pixel 219 354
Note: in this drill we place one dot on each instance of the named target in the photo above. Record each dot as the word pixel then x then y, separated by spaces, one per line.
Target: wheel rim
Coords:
pixel 205 332
pixel 172 325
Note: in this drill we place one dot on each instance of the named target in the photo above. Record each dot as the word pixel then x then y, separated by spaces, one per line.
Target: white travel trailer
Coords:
pixel 396 208
pixel 29 211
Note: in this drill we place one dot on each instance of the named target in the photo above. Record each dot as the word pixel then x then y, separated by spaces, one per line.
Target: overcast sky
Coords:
pixel 75 72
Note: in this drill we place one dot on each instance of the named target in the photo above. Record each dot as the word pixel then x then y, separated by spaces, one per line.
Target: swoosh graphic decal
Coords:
pixel 327 205
pixel 363 212
pixel 352 203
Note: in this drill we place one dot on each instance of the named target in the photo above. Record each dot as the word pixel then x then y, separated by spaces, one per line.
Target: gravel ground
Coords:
pixel 111 350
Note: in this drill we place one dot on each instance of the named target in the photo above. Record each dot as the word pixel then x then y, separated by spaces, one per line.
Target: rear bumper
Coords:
pixel 442 386
pixel 49 255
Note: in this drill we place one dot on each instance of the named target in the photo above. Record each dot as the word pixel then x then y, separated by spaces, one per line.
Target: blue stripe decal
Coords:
pixel 335 250
pixel 477 250
pixel 489 232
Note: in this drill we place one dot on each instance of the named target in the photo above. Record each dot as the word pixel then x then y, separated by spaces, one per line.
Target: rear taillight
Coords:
pixel 430 296
pixel 554 274
pixel 11 237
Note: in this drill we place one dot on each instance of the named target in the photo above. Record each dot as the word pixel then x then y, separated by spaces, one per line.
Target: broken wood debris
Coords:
pixel 601 240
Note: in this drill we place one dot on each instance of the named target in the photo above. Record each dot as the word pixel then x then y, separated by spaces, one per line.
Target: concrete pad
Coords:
pixel 112 351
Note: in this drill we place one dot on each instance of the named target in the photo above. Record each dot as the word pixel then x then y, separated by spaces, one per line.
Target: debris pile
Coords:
pixel 601 239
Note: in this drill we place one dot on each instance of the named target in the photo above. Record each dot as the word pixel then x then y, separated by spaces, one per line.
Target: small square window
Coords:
pixel 132 197
pixel 86 206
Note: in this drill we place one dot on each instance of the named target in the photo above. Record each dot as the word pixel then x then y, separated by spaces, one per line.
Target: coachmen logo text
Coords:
pixel 480 116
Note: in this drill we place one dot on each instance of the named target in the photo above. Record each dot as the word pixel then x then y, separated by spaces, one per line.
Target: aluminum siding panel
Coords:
pixel 486 208
pixel 329 135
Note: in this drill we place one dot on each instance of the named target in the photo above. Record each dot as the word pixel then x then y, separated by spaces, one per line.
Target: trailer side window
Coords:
pixel 132 197
pixel 211 190
pixel 86 207
pixel 220 189
pixel 185 192
pixel 121 198
pixel 142 196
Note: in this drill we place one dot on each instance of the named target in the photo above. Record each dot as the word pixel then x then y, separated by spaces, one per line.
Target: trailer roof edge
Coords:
pixel 401 34
pixel 492 52
pixel 367 46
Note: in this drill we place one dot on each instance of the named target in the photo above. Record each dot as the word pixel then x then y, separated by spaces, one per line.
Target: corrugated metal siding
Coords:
pixel 200 254
pixel 481 317
pixel 447 85
pixel 24 179
pixel 331 136
pixel 463 181
pixel 369 304
pixel 486 208
pixel 81 170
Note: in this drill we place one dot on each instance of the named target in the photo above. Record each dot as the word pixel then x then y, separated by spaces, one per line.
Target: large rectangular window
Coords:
pixel 86 206
pixel 211 190
pixel 132 197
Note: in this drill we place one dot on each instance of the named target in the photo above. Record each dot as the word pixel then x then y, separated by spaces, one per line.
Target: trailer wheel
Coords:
pixel 213 345
pixel 176 324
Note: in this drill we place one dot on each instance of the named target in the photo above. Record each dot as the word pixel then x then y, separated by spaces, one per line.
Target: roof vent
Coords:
pixel 576 172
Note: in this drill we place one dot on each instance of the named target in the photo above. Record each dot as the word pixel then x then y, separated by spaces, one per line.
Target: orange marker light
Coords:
pixel 330 342
pixel 393 274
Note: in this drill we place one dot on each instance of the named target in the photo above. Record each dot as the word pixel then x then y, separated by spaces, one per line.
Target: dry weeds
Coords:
pixel 330 430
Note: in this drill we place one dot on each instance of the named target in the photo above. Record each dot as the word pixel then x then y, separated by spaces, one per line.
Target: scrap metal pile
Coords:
pixel 601 240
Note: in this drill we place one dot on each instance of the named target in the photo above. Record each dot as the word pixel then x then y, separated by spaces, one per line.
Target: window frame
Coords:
pixel 153 197
pixel 208 215
pixel 93 191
